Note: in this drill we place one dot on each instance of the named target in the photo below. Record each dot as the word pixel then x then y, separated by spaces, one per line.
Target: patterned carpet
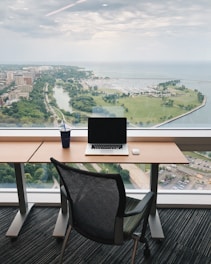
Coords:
pixel 187 241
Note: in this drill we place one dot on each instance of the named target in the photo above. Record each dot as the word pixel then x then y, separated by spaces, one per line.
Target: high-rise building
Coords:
pixel 10 77
pixel 19 79
pixel 28 80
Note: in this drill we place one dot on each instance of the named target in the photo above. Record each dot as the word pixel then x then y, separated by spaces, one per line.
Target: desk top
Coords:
pixel 17 151
pixel 150 152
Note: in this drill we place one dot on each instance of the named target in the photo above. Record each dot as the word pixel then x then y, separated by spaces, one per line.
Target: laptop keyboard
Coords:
pixel 107 146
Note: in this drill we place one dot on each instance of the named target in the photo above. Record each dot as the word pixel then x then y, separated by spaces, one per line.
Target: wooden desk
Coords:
pixel 154 153
pixel 18 153
pixel 150 152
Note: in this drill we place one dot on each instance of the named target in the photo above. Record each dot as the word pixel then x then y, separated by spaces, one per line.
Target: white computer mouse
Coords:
pixel 136 151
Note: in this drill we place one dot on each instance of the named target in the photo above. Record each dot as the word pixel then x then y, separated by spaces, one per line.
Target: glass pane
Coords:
pixel 73 95
pixel 7 176
pixel 180 177
pixel 147 60
pixel 195 176
pixel 41 176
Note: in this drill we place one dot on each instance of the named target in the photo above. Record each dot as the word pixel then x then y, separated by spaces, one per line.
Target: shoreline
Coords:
pixel 182 115
pixel 158 125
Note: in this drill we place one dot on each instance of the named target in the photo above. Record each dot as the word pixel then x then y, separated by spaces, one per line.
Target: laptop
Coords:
pixel 107 136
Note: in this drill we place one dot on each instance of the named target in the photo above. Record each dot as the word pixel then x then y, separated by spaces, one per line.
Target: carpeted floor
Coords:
pixel 187 241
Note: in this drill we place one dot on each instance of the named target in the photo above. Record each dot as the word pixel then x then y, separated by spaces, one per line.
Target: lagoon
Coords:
pixel 62 98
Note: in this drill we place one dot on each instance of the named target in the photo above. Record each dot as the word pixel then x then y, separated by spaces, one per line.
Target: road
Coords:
pixel 137 176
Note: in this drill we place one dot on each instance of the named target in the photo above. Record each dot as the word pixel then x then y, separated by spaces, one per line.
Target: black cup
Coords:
pixel 65 138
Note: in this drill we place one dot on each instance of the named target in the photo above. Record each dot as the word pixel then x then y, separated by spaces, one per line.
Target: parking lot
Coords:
pixel 195 176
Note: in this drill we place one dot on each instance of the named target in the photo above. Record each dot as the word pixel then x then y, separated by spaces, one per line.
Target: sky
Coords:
pixel 104 30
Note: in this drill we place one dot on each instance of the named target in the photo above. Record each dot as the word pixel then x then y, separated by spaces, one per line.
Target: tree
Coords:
pixel 28 177
pixel 125 175
pixel 39 174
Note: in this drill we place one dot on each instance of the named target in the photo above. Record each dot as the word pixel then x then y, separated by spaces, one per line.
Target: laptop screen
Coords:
pixel 107 130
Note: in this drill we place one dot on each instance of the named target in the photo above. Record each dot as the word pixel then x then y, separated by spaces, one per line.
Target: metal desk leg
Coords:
pixel 62 219
pixel 24 206
pixel 154 219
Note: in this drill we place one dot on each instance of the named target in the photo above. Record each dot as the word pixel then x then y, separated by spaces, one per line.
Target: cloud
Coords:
pixel 53 17
pixel 101 24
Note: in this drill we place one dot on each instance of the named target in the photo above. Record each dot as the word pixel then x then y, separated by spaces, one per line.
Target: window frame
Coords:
pixel 186 139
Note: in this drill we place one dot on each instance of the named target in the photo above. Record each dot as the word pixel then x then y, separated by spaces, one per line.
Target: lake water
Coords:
pixel 134 75
pixel 62 99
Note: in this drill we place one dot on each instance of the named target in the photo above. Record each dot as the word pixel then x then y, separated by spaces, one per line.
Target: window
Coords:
pixel 146 60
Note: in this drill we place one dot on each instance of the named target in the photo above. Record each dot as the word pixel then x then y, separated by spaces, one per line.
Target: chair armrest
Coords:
pixel 141 206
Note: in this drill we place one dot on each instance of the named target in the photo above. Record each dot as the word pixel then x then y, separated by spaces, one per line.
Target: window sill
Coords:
pixel 175 199
pixel 192 139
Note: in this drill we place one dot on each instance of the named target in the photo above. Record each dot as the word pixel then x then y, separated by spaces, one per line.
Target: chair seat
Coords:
pixel 131 222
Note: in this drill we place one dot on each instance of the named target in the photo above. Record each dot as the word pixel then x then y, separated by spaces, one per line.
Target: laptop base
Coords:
pixel 109 152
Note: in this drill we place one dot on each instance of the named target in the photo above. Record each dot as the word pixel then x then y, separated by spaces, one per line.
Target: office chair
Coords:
pixel 99 209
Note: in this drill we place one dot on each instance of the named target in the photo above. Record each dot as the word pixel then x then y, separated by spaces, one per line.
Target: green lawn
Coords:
pixel 151 110
pixel 145 110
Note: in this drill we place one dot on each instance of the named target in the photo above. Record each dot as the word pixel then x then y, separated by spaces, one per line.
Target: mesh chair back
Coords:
pixel 97 201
